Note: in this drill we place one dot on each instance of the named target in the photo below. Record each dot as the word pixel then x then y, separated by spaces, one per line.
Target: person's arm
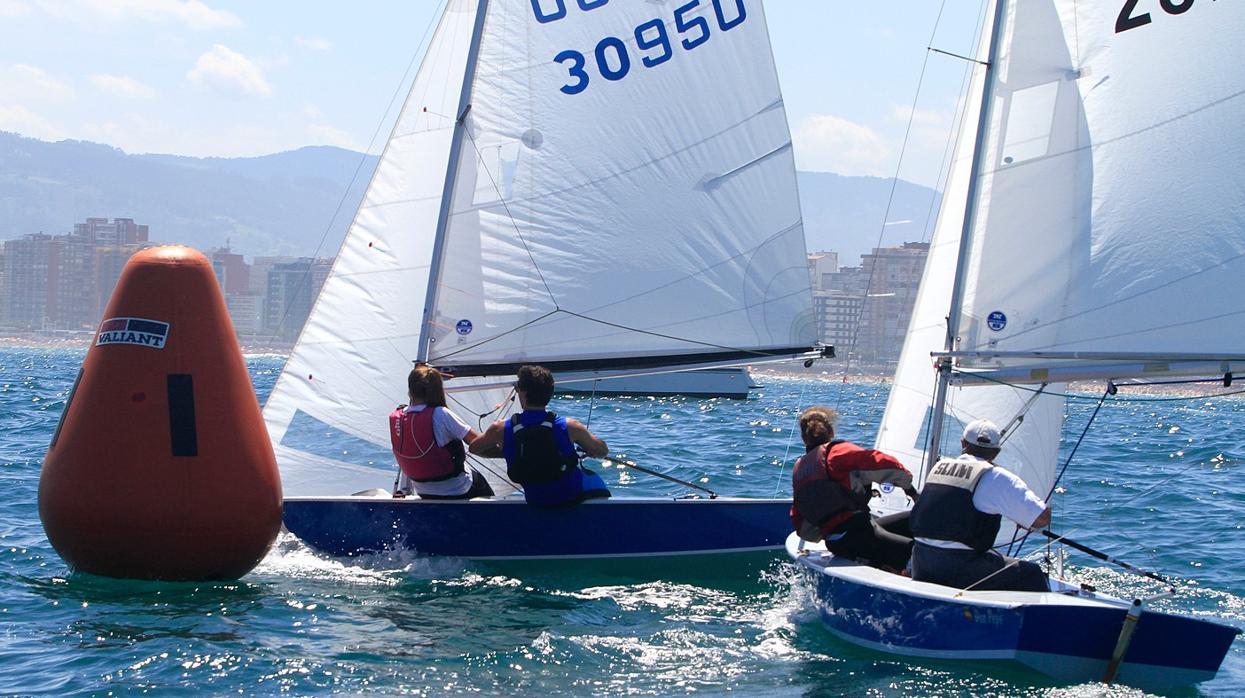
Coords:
pixel 487 444
pixel 1002 492
pixel 586 440
pixel 879 468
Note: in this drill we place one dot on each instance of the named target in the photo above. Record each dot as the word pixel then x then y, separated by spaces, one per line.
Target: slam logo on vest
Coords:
pixel 956 469
pixel 133 330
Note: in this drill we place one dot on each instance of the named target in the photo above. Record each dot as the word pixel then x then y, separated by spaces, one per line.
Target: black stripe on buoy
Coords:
pixel 182 430
pixel 68 400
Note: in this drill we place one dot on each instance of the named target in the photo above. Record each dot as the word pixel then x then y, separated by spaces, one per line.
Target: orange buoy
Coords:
pixel 161 466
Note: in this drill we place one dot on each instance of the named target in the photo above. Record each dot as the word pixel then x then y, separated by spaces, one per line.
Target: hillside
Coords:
pixel 284 203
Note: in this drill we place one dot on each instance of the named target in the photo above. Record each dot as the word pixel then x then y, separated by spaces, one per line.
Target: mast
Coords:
pixel 970 218
pixel 447 195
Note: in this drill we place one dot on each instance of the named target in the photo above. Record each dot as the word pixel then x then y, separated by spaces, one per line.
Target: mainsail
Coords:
pixel 627 193
pixel 585 184
pixel 1106 229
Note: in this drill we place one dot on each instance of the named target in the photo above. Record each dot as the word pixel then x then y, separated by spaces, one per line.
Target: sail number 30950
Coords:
pixel 654 43
pixel 1130 18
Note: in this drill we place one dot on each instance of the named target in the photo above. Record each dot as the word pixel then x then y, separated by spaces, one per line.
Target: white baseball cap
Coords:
pixel 982 432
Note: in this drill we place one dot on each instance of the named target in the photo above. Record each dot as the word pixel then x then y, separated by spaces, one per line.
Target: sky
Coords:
pixel 235 78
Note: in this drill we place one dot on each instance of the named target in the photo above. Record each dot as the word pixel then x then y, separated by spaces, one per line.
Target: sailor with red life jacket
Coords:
pixel 428 441
pixel 539 446
pixel 832 484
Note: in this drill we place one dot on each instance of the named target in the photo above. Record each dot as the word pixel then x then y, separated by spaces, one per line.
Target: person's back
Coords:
pixel 959 515
pixel 427 440
pixel 539 446
pixel 831 486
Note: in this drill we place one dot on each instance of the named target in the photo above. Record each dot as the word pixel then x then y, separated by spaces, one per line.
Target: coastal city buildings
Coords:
pixel 63 282
pixel 864 311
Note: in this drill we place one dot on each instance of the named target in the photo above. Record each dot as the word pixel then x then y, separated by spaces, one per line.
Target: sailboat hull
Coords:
pixel 510 529
pixel 1069 635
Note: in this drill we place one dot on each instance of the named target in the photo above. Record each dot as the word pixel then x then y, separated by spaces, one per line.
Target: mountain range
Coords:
pixel 301 202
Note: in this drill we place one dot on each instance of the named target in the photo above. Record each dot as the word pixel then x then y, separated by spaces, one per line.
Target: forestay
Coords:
pixel 626 192
pixel 349 367
pixel 1107 223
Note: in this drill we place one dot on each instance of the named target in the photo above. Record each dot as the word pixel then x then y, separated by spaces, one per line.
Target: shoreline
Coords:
pixel 867 376
pixel 76 341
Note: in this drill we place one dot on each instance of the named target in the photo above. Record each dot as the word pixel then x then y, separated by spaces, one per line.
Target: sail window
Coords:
pixel 496 165
pixel 1030 116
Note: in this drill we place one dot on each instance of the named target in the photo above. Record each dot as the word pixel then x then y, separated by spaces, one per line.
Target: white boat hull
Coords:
pixel 705 382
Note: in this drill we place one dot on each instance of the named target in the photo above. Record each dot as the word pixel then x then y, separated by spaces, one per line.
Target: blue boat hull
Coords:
pixel 1068 636
pixel 510 529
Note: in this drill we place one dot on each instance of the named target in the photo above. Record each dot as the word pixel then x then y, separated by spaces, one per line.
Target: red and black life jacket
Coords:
pixel 832 483
pixel 415 447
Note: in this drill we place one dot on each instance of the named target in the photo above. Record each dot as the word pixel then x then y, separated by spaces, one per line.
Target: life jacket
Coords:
pixel 945 510
pixel 416 450
pixel 825 489
pixel 540 456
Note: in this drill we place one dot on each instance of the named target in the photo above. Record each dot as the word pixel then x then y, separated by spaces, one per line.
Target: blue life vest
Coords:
pixel 540 456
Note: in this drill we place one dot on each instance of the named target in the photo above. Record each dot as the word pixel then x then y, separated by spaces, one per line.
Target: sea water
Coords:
pixel 1156 482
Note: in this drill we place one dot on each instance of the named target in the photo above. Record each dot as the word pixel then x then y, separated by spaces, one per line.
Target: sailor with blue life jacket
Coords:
pixel 959 515
pixel 832 484
pixel 539 446
pixel 427 441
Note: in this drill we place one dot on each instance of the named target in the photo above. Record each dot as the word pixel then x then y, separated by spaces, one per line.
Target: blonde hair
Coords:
pixel 817 426
pixel 424 383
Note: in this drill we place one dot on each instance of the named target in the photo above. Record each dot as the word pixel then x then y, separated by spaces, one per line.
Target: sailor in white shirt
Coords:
pixel 959 515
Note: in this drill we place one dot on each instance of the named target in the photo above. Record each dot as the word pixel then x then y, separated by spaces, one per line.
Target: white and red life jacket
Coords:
pixel 415 446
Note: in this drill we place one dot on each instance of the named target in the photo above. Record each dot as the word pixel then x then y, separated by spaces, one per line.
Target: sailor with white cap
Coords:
pixel 959 515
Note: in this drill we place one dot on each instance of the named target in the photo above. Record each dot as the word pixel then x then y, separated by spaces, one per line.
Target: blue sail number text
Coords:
pixel 654 42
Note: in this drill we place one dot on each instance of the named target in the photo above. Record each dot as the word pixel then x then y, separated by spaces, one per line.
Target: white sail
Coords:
pixel 1107 222
pixel 627 189
pixel 348 369
pixel 1112 222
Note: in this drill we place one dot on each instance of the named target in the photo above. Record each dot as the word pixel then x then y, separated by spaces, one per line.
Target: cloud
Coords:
pixel 927 118
pixel 191 13
pixel 825 143
pixel 26 83
pixel 224 70
pixel 12 9
pixel 122 86
pixel 929 139
pixel 314 43
pixel 19 119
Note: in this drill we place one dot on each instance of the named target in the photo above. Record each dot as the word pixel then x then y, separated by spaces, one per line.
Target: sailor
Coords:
pixel 427 441
pixel 832 484
pixel 539 446
pixel 959 515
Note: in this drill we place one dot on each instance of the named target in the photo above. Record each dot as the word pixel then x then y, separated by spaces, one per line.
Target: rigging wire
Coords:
pixel 782 464
pixel 1110 390
pixel 890 198
pixel 510 217
pixel 420 49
